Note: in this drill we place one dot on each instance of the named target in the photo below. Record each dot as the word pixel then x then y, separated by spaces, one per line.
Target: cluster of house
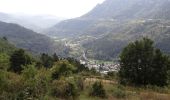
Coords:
pixel 103 68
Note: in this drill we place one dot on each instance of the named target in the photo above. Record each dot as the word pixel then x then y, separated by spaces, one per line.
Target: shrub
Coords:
pixel 98 90
pixel 80 83
pixel 4 61
pixel 62 68
pixel 3 80
pixel 119 92
pixel 112 74
pixel 13 86
pixel 63 89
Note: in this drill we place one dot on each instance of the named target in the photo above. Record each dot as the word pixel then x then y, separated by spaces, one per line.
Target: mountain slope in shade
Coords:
pixel 27 39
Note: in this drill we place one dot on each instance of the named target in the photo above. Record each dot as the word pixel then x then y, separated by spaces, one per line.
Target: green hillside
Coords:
pixel 114 23
pixel 6 47
pixel 27 39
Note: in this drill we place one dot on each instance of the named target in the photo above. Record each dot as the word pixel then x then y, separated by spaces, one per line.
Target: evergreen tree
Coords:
pixel 46 60
pixel 18 59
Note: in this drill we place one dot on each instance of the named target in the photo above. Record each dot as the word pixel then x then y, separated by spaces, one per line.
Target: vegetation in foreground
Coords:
pixel 23 76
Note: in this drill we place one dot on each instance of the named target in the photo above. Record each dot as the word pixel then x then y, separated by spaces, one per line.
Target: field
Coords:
pixel 117 92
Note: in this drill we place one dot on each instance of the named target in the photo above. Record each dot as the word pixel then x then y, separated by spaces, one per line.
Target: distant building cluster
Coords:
pixel 102 68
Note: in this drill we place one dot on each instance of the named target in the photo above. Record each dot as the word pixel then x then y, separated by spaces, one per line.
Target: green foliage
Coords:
pixel 55 57
pixel 6 47
pixel 112 74
pixel 4 61
pixel 18 59
pixel 3 80
pixel 119 92
pixel 43 81
pixel 64 89
pixel 12 86
pixel 29 72
pixel 142 64
pixel 62 68
pixel 36 82
pixel 46 60
pixel 27 39
pixel 94 72
pixel 98 90
pixel 79 67
pixel 79 81
pixel 169 77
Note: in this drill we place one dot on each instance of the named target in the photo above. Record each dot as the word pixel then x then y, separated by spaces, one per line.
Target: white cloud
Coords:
pixel 61 8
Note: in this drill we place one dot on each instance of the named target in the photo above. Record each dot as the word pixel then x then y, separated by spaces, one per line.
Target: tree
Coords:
pixel 55 57
pixel 64 89
pixel 79 67
pixel 18 59
pixel 142 64
pixel 98 90
pixel 62 68
pixel 46 60
pixel 5 38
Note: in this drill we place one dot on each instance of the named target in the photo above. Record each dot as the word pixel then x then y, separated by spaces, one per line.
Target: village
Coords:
pixel 103 68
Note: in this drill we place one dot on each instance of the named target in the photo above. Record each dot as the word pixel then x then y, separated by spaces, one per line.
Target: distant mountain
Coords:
pixel 110 45
pixel 130 9
pixel 112 10
pixel 27 39
pixel 36 23
pixel 114 23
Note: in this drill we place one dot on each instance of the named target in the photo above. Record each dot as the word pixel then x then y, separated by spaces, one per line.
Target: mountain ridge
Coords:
pixel 27 39
pixel 116 23
pixel 37 23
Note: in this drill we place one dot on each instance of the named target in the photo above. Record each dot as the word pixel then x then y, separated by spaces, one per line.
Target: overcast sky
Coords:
pixel 60 8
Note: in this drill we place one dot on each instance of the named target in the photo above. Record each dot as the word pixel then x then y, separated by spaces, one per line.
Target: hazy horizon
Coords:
pixel 59 8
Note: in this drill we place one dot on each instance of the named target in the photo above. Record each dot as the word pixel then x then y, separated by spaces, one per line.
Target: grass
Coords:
pixel 116 92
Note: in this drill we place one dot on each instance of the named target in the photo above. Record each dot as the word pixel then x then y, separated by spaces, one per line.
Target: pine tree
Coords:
pixel 46 60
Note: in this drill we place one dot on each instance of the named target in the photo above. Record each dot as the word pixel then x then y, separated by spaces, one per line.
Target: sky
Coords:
pixel 59 8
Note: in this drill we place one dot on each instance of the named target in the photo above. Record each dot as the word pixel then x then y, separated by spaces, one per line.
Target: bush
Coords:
pixel 3 80
pixel 63 89
pixel 80 83
pixel 4 61
pixel 12 86
pixel 119 92
pixel 62 68
pixel 98 90
pixel 112 74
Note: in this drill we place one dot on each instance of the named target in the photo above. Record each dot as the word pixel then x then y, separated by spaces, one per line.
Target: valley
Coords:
pixel 119 50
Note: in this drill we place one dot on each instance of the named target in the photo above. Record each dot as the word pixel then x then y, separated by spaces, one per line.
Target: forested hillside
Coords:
pixel 24 76
pixel 5 46
pixel 27 39
pixel 115 23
